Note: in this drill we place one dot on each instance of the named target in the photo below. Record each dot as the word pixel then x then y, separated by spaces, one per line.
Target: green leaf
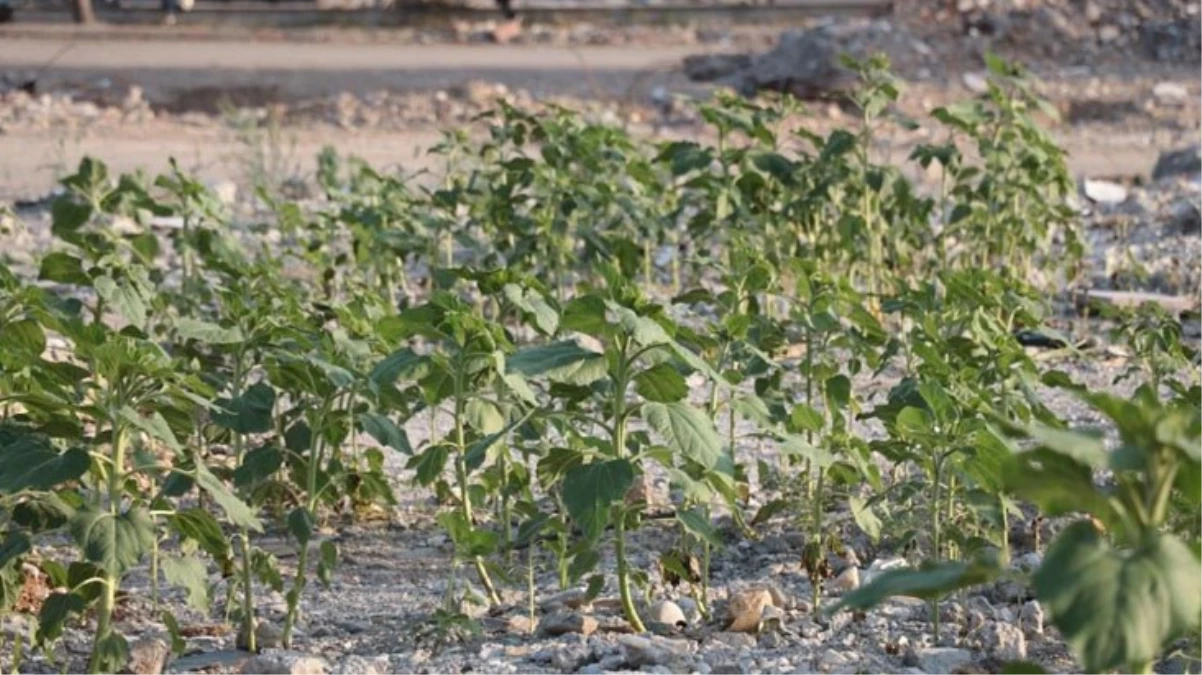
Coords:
pixel 31 463
pixel 589 490
pixel 114 542
pixel 68 215
pixel 111 653
pixel 200 526
pixel 838 391
pixel 124 298
pixel 483 416
pixel 865 518
pixel 1057 484
pixel 1022 668
pixel 806 418
pixel 695 521
pixel 178 643
pixel 767 511
pixel 795 445
pixel 403 362
pixel 563 361
pixel 16 544
pixel 430 463
pixel 1119 609
pixel 645 331
pixel 235 509
pixel 535 305
pixel 686 430
pixel 207 333
pixel 661 383
pixel 258 465
pixel 63 268
pixel 301 525
pixel 55 612
pixel 386 432
pixel 326 561
pixel 155 426
pixel 932 580
pixel 189 573
pixel 249 413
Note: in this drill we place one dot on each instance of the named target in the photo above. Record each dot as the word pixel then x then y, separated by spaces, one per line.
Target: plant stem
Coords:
pixel 248 598
pixel 108 600
pixel 298 583
pixel 465 498
pixel 935 543
pixel 619 445
pixel 817 520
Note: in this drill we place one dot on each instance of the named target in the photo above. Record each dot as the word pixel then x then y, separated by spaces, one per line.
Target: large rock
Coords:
pixel 641 651
pixel 746 608
pixel 1181 162
pixel 804 63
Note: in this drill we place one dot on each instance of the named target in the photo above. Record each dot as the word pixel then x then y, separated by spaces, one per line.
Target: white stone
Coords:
pixel 668 613
pixel 1170 94
pixel 1104 191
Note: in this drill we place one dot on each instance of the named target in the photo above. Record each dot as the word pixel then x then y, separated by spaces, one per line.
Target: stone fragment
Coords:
pixel 1104 192
pixel 668 613
pixel 1005 641
pixel 746 608
pixel 942 659
pixel 1180 162
pixel 284 662
pixel 562 623
pixel 848 580
pixel 1030 617
pixel 148 656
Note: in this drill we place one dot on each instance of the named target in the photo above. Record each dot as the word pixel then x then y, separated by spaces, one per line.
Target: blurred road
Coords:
pixel 166 69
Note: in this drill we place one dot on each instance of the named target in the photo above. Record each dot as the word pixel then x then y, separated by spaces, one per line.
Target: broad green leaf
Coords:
pixel 114 542
pixel 63 268
pixel 258 465
pixel 520 388
pixel 913 424
pixel 838 391
pixel 767 511
pixel 932 580
pixel 207 332
pixel 1086 446
pixel 535 305
pixel 695 522
pixel 200 526
pixel 386 432
pixel 806 418
pixel 661 383
pixel 470 542
pixel 189 573
pixel 235 509
pixel 24 337
pixel 429 463
pixel 563 361
pixel 865 518
pixel 589 490
pixel 401 363
pixel 1119 609
pixel 483 416
pixel 55 612
pixel 301 525
pixel 155 426
pixel 248 413
pixel 31 463
pixel 645 332
pixel 686 430
pixel 794 445
pixel 1057 484
pixel 111 653
pixel 124 298
pixel 16 544
pixel 39 512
